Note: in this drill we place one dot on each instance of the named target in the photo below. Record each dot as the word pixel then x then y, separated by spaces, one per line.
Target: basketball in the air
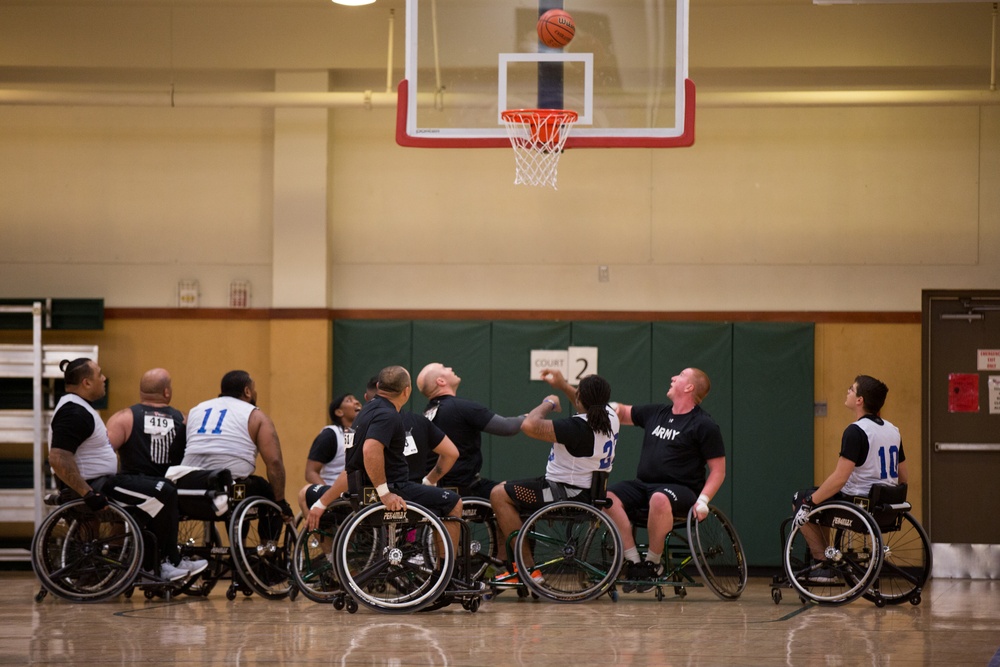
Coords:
pixel 556 28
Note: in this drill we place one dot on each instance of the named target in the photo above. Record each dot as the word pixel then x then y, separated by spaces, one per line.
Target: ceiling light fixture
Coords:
pixel 353 3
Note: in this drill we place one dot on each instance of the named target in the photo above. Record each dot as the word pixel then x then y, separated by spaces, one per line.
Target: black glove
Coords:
pixel 95 501
pixel 802 516
pixel 286 509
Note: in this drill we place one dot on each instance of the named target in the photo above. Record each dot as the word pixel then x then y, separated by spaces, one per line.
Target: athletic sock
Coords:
pixel 653 557
pixel 632 555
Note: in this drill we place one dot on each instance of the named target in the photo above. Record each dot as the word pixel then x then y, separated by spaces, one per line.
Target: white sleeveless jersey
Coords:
pixel 218 436
pixel 578 471
pixel 882 464
pixel 332 469
pixel 95 456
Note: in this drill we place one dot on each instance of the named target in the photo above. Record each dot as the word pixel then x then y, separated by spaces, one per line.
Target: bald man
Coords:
pixel 150 435
pixel 464 422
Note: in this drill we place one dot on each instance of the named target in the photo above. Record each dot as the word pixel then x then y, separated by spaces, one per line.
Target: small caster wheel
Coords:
pixel 40 595
pixel 915 600
pixel 776 595
pixel 128 593
pixel 338 602
pixel 352 606
pixel 659 594
pixel 613 594
pixel 293 593
pixel 879 601
pixel 474 605
pixel 148 594
pixel 246 592
pixel 231 593
pixel 681 591
pixel 522 592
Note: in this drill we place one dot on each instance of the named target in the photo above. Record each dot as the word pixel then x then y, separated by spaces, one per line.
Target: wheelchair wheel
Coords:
pixel 200 539
pixel 261 544
pixel 394 562
pixel 718 554
pixel 906 564
pixel 86 556
pixel 852 560
pixel 574 547
pixel 483 540
pixel 312 558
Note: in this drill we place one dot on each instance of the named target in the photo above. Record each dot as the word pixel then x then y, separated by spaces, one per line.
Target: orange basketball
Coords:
pixel 556 28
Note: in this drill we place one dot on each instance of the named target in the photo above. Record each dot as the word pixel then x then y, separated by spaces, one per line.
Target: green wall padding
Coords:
pixel 761 397
pixel 772 453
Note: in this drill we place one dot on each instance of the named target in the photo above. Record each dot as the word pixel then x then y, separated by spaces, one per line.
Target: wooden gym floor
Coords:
pixel 958 623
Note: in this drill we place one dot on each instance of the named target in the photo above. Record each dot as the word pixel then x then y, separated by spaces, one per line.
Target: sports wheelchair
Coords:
pixel 313 568
pixel 388 561
pixel 577 555
pixel 875 549
pixel 255 557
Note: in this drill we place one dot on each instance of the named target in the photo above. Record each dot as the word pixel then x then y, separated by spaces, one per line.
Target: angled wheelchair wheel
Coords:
pixel 394 562
pixel 718 554
pixel 261 544
pixel 483 539
pixel 86 556
pixel 199 539
pixel 575 549
pixel 312 559
pixel 852 558
pixel 906 564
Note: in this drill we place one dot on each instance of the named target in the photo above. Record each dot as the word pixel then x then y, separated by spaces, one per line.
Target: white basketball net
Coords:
pixel 538 137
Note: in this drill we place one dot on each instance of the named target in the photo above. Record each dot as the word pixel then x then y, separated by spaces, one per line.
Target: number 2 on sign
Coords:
pixel 218 425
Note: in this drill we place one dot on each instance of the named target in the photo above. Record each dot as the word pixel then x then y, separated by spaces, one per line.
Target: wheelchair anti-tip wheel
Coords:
pixel 262 545
pixel 718 553
pixel 852 556
pixel 86 556
pixel 394 561
pixel 574 547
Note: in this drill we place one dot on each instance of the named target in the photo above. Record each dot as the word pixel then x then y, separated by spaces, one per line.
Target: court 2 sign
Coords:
pixel 575 363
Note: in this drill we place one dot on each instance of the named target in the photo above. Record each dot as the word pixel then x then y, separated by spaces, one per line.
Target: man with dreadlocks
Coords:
pixel 581 445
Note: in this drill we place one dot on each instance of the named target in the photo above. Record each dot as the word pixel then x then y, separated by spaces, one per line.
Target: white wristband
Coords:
pixel 703 499
pixel 319 504
pixel 382 489
pixel 428 482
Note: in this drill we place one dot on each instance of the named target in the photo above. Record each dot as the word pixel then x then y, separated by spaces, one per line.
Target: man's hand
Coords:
pixel 553 400
pixel 393 502
pixel 802 516
pixel 315 514
pixel 701 507
pixel 287 515
pixel 95 501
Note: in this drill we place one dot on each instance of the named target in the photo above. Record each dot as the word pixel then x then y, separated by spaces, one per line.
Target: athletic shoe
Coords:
pixel 628 571
pixel 506 578
pixel 821 575
pixel 192 565
pixel 650 571
pixel 171 572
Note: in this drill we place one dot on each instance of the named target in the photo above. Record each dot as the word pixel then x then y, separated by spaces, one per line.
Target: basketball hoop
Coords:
pixel 538 137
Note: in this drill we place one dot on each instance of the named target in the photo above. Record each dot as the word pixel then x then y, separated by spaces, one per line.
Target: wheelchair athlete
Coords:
pixel 228 432
pixel 871 452
pixel 581 445
pixel 381 448
pixel 83 459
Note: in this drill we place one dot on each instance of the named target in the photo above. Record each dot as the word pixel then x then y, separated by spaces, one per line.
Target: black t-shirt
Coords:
pixel 72 425
pixel 463 421
pixel 156 442
pixel 676 447
pixel 324 447
pixel 426 436
pixel 379 420
pixel 575 435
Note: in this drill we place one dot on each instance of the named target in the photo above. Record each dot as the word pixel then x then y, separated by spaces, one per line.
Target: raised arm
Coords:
pixel 536 425
pixel 557 381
